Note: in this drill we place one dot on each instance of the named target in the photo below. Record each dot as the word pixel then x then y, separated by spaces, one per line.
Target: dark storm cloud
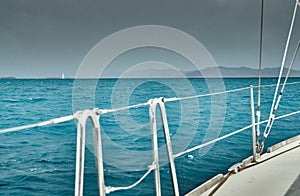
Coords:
pixel 45 38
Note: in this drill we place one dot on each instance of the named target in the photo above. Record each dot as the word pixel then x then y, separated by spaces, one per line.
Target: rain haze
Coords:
pixel 48 38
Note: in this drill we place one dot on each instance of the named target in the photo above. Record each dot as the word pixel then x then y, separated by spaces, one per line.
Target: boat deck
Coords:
pixel 275 173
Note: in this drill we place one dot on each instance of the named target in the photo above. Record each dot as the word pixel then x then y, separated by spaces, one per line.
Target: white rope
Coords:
pixel 110 189
pixel 286 115
pixel 229 134
pixel 270 85
pixel 104 111
pixel 40 124
pixel 223 92
pixel 211 142
pixel 272 112
pixel 204 95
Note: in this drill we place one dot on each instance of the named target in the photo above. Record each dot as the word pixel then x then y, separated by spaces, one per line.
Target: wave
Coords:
pixel 10 100
pixel 40 99
pixel 30 99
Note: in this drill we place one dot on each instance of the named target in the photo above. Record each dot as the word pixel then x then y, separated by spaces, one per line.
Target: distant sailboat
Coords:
pixel 63 76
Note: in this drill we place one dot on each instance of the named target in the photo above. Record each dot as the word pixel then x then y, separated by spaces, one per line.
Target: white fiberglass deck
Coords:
pixel 276 173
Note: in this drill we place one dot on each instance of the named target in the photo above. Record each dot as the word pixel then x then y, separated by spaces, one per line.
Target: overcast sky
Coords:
pixel 45 38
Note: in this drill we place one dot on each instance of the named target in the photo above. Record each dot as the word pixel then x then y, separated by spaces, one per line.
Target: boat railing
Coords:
pixel 153 104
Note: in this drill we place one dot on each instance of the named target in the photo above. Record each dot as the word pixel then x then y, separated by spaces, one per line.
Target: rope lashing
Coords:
pixel 110 189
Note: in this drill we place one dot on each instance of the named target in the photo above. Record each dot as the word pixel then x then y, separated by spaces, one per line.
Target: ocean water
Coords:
pixel 41 161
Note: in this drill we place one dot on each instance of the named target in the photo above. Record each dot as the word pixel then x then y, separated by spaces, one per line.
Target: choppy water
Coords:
pixel 41 161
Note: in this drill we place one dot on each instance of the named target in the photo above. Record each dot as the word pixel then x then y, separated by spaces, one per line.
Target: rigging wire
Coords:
pixel 259 69
pixel 273 111
pixel 275 106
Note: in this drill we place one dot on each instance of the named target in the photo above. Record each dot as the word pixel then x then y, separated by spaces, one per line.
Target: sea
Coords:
pixel 41 160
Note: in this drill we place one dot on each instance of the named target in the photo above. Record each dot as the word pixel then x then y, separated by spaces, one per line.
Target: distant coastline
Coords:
pixel 214 72
pixel 8 78
pixel 241 72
